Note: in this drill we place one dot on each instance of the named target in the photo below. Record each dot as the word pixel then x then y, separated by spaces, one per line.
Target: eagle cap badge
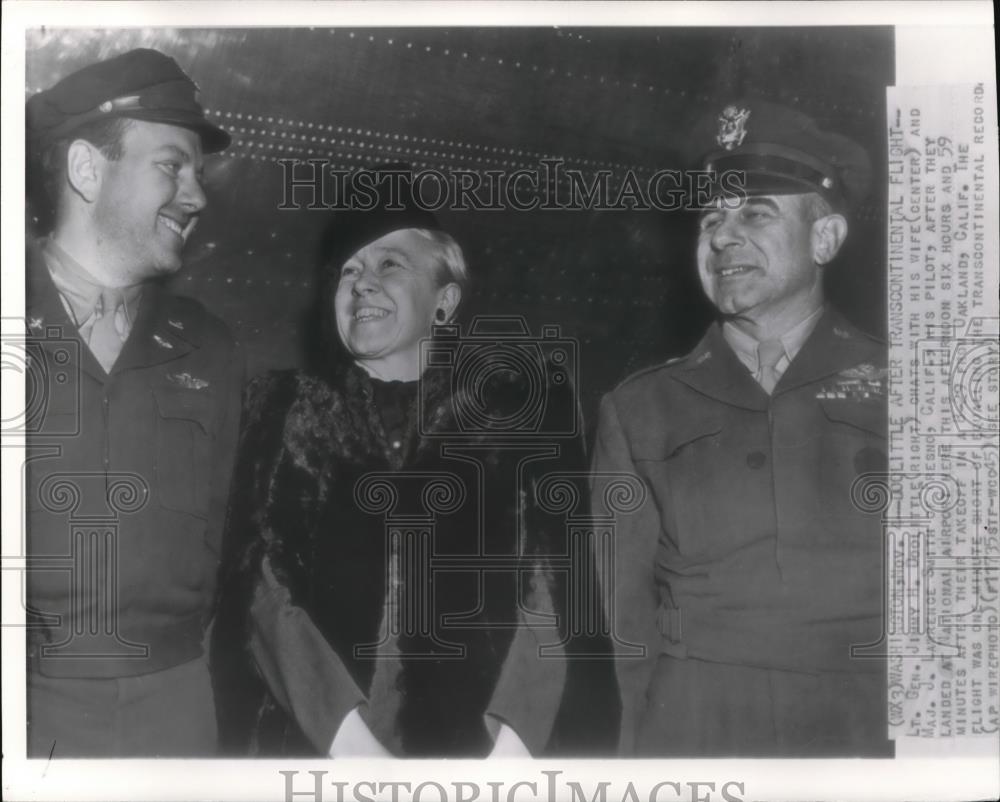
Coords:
pixel 732 127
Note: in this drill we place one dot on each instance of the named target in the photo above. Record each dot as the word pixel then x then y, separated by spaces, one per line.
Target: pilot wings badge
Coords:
pixel 732 127
pixel 187 380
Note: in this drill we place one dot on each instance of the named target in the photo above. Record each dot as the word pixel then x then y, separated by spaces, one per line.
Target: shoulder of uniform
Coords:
pixel 863 340
pixel 873 339
pixel 190 317
pixel 845 329
pixel 654 372
pixel 848 331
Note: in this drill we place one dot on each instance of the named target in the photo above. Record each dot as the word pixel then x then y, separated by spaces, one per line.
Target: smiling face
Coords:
pixel 386 300
pixel 148 200
pixel 759 262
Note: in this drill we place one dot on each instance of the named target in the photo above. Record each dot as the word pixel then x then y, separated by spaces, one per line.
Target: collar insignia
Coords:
pixel 176 324
pixel 842 333
pixel 703 357
pixel 187 381
pixel 35 323
pixel 162 343
pixel 732 127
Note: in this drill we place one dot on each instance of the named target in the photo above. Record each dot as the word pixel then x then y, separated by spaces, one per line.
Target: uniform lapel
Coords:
pixel 153 339
pixel 41 301
pixel 834 345
pixel 714 370
pixel 44 310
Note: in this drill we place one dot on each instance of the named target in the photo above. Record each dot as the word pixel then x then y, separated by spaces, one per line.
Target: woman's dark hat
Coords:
pixel 379 200
pixel 141 84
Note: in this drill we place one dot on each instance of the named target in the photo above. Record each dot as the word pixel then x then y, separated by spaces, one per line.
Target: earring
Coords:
pixel 439 315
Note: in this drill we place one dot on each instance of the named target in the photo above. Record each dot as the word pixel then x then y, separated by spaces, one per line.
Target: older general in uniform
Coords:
pixel 749 575
pixel 138 404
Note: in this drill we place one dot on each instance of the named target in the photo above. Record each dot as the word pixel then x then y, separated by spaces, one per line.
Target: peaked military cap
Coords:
pixel 782 151
pixel 141 84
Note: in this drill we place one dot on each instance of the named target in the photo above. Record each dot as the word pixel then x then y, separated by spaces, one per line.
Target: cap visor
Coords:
pixel 213 138
pixel 749 185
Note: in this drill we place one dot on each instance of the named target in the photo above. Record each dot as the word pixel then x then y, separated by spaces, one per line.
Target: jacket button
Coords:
pixel 396 444
pixel 756 459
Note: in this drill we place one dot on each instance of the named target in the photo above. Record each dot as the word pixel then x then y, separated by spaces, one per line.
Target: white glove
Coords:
pixel 508 744
pixel 354 739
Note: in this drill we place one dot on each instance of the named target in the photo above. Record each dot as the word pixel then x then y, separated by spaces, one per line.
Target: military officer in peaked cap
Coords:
pixel 749 578
pixel 130 456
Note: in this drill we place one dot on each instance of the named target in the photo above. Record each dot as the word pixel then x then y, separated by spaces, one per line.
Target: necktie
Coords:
pixel 107 335
pixel 769 353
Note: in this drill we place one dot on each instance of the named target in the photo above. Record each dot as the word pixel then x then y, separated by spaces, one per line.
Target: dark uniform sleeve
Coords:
pixel 227 428
pixel 239 692
pixel 635 602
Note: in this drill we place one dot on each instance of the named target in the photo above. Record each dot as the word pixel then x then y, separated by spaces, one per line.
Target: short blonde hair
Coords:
pixel 451 260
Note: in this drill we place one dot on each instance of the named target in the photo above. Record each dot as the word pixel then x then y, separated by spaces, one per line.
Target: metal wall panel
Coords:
pixel 622 283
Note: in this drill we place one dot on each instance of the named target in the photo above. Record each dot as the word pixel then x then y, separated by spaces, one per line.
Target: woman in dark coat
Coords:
pixel 387 545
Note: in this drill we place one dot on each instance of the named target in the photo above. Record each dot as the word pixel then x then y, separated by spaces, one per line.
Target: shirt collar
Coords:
pixel 745 346
pixel 80 291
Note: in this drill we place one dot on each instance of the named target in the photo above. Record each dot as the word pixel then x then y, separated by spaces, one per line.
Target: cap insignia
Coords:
pixel 106 106
pixel 732 127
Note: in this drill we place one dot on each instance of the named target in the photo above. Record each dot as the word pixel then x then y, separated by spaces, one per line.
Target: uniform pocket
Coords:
pixel 682 474
pixel 676 440
pixel 870 417
pixel 183 448
pixel 854 443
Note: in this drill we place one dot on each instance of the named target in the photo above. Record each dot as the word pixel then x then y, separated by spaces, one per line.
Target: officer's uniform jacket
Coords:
pixel 749 549
pixel 125 484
